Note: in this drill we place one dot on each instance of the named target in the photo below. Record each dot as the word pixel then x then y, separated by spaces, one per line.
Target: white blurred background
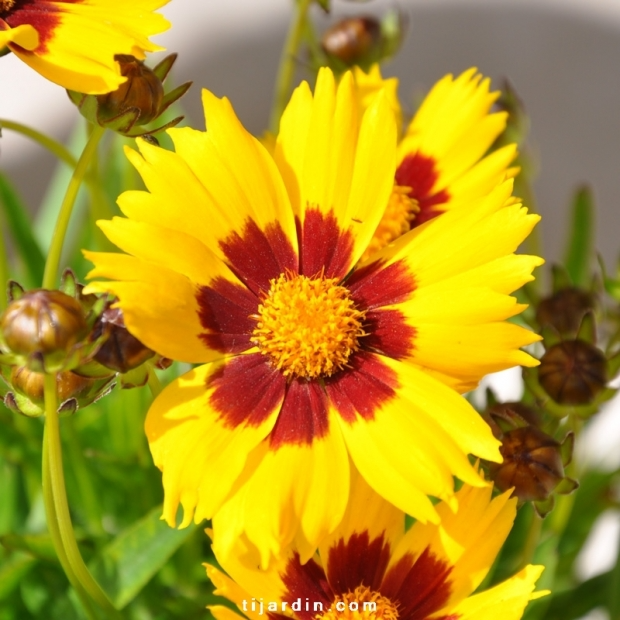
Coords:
pixel 562 56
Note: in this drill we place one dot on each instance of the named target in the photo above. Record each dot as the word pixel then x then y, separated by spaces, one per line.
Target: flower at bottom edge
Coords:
pixel 309 358
pixel 370 568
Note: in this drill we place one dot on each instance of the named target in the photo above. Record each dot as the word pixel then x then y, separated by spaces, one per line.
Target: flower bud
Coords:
pixel 573 372
pixel 564 310
pixel 142 91
pixel 30 384
pixel 138 101
pixel 352 39
pixel 121 351
pixel 43 323
pixel 532 464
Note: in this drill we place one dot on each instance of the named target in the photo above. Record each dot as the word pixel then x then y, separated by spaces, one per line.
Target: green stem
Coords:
pixel 287 64
pixel 45 141
pixel 60 518
pixel 532 540
pixel 50 505
pixel 62 223
pixel 154 384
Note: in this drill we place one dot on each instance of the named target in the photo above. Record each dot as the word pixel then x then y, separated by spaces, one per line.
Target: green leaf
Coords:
pixel 579 252
pixel 12 571
pixel 18 223
pixel 126 565
pixel 36 545
pixel 579 600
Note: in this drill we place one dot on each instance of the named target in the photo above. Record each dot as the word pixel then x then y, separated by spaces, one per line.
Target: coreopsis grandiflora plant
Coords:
pixel 249 264
pixel 371 568
pixel 74 42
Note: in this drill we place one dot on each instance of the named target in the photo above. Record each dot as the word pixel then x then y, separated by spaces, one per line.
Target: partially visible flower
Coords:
pixel 74 42
pixel 371 569
pixel 442 158
pixel 248 263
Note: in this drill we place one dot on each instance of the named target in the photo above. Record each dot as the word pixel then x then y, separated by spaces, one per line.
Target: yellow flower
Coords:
pixel 244 262
pixel 73 42
pixel 442 159
pixel 371 569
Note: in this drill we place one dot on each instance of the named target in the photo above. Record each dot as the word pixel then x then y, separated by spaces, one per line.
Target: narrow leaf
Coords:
pixel 580 249
pixel 12 572
pixel 126 565
pixel 18 223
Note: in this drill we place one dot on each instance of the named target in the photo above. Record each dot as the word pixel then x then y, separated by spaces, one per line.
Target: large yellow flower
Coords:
pixel 248 264
pixel 442 158
pixel 73 42
pixel 371 569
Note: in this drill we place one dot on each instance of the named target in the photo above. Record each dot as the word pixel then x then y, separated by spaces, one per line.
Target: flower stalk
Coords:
pixel 286 71
pixel 66 208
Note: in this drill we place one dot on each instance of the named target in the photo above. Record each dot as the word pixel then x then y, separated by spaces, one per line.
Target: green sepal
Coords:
pixel 560 278
pixel 566 448
pixel 122 123
pixel 14 290
pixel 137 377
pixel 544 506
pixel 174 95
pixel 324 4
pixel 566 486
pixel 587 329
pixel 137 133
pixel 162 69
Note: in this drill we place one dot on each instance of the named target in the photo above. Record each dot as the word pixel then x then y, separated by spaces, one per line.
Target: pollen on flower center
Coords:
pixel 6 5
pixel 396 220
pixel 309 327
pixel 361 604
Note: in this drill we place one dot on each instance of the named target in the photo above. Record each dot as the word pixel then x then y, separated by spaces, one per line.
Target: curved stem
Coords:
pixel 60 519
pixel 52 525
pixel 287 64
pixel 45 141
pixel 62 223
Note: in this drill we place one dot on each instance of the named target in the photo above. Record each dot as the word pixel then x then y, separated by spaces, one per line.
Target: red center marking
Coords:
pixel 44 16
pixel 420 174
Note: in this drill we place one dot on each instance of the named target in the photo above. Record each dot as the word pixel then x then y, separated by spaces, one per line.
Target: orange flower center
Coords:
pixel 6 5
pixel 309 327
pixel 396 221
pixel 361 604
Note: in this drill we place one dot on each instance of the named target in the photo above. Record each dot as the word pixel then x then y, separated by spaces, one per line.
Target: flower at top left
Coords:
pixel 74 42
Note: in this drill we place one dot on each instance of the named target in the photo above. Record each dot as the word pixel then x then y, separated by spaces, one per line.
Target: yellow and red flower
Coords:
pixel 443 159
pixel 73 42
pixel 248 263
pixel 371 569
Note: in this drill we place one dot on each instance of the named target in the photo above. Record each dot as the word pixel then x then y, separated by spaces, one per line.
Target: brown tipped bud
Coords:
pixel 142 91
pixel 352 39
pixel 121 351
pixel 44 323
pixel 573 372
pixel 30 384
pixel 532 464
pixel 564 310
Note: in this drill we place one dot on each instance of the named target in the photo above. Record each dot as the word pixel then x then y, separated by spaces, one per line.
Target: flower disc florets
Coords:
pixel 309 327
pixel 370 606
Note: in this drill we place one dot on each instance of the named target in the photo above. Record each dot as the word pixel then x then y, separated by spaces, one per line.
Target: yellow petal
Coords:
pixel 25 36
pixel 366 512
pixel 506 600
pixel 295 493
pixel 78 53
pixel 159 305
pixel 467 539
pixel 200 453
pixel 226 587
